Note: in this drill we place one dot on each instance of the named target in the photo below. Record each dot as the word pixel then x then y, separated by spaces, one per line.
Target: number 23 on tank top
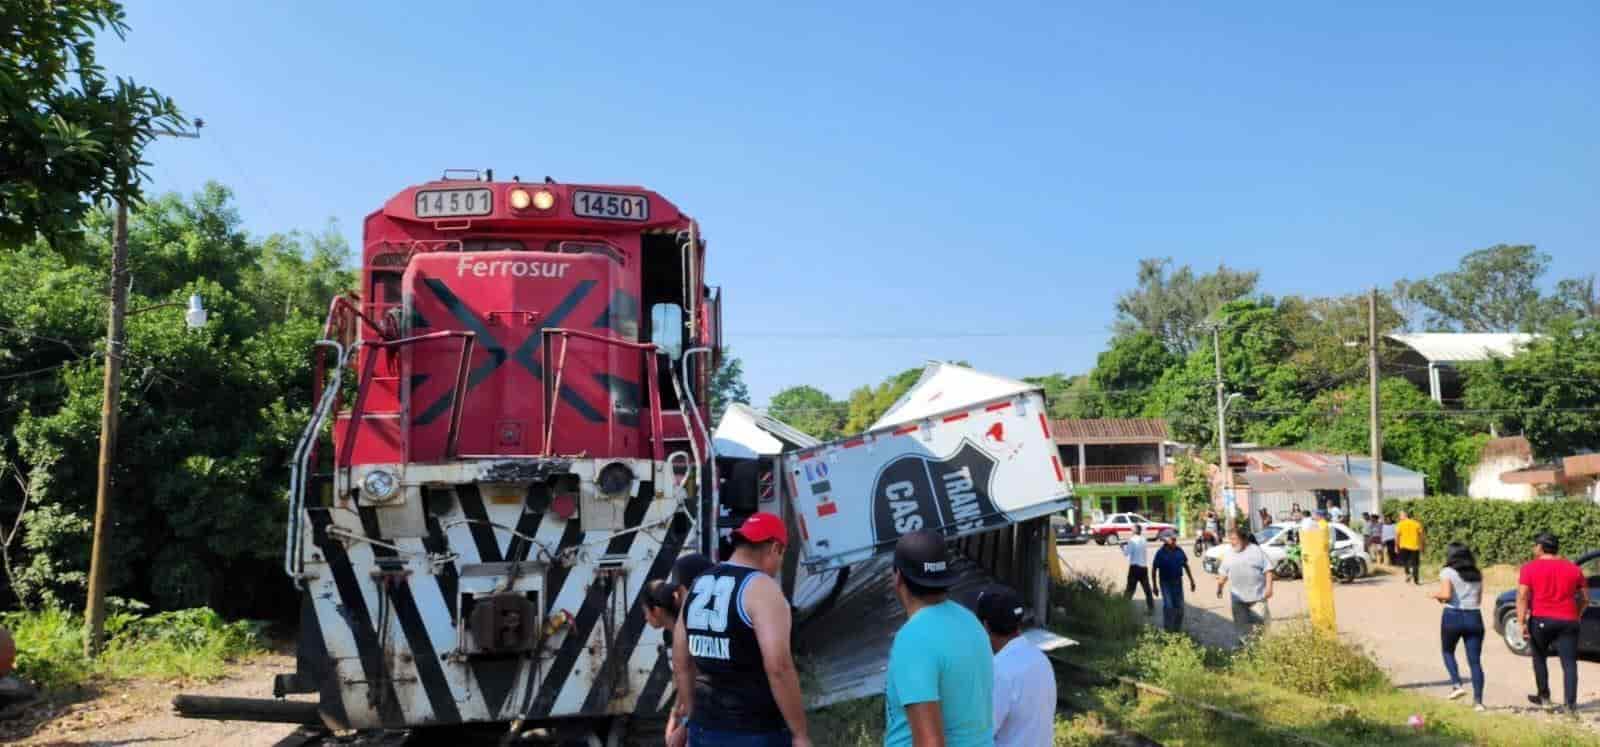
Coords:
pixel 713 597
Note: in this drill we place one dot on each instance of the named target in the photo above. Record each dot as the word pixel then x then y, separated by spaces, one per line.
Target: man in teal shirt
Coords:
pixel 941 668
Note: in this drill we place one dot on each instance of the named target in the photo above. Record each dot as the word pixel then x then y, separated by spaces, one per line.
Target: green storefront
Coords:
pixel 1156 502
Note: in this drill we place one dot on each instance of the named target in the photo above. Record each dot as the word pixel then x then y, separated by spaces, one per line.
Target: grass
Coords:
pixel 1292 682
pixel 185 645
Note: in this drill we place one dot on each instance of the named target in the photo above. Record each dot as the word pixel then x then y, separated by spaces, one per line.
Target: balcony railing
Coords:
pixel 1117 474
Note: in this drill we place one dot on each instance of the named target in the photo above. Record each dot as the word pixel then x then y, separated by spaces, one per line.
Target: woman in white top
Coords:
pixel 1461 592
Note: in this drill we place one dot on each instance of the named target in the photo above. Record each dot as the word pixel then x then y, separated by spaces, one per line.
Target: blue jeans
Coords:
pixel 1172 607
pixel 702 737
pixel 1465 626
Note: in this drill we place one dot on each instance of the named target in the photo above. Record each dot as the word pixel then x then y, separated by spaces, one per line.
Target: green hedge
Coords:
pixel 1500 531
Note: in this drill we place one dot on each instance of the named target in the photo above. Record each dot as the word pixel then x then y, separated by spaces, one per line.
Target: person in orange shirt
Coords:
pixel 1408 540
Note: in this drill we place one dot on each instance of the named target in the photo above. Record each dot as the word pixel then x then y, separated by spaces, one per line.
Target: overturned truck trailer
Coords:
pixel 962 452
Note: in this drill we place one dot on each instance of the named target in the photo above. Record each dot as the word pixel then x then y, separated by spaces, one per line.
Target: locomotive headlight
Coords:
pixel 380 484
pixel 544 199
pixel 520 199
pixel 615 479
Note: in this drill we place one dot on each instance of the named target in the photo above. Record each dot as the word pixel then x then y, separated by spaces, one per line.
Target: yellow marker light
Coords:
pixel 544 199
pixel 520 199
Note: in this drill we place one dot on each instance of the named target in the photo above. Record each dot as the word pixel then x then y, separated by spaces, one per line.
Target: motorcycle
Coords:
pixel 1346 566
pixel 1207 540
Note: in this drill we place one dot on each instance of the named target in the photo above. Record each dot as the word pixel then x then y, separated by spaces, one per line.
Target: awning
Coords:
pixel 1283 482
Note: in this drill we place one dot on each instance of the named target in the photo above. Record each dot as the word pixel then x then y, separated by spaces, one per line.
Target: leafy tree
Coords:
pixel 1329 334
pixel 69 136
pixel 1549 392
pixel 1193 490
pixel 1173 304
pixel 811 410
pixel 727 384
pixel 1255 354
pixel 1418 434
pixel 1062 394
pixel 1492 290
pixel 868 403
pixel 1125 372
pixel 1579 297
pixel 209 417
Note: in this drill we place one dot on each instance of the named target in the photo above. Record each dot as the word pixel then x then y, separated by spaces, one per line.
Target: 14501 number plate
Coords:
pixel 447 203
pixel 610 205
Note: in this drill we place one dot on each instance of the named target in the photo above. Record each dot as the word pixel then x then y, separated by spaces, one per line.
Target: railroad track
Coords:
pixel 580 733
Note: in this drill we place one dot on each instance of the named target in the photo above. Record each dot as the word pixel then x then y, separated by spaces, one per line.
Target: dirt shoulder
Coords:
pixel 1397 621
pixel 140 712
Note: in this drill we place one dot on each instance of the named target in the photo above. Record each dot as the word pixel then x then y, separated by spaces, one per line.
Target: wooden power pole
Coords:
pixel 1222 429
pixel 1372 394
pixel 110 420
pixel 95 613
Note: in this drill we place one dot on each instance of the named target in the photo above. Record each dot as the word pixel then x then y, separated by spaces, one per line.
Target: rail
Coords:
pixel 657 441
pixel 362 387
pixel 301 465
pixel 1119 474
pixel 686 399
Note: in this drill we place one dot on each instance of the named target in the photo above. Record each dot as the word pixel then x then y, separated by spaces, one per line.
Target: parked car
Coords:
pixel 1276 539
pixel 1118 527
pixel 1066 532
pixel 1505 613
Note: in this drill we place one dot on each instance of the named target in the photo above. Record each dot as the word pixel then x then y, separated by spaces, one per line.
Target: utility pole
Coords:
pixel 1372 395
pixel 110 422
pixel 1222 427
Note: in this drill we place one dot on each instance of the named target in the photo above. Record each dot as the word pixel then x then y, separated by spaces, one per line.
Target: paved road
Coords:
pixel 1398 622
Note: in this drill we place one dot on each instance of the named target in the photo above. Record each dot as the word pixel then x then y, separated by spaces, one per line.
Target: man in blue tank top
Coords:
pixel 941 670
pixel 736 680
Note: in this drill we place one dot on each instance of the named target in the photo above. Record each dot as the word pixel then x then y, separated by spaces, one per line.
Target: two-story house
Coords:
pixel 1118 465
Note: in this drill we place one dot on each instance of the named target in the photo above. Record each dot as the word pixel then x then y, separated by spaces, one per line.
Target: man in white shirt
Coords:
pixel 1024 683
pixel 1134 550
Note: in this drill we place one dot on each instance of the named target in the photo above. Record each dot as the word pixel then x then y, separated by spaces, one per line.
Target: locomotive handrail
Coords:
pixel 467 340
pixel 301 465
pixel 711 448
pixel 657 440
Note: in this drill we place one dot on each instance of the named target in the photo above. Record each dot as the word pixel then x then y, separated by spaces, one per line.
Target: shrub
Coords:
pixel 1303 660
pixel 182 644
pixel 1171 660
pixel 1500 531
pixel 1089 606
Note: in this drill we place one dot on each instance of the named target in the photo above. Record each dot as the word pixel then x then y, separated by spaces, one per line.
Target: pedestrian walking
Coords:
pixel 1373 536
pixel 736 680
pixel 1024 682
pixel 663 598
pixel 940 684
pixel 1136 551
pixel 1390 555
pixel 1266 518
pixel 1408 540
pixel 1169 566
pixel 1461 592
pixel 1550 601
pixel 1248 575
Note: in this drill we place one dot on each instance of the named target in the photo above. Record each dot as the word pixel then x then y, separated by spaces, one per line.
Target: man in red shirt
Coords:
pixel 1550 600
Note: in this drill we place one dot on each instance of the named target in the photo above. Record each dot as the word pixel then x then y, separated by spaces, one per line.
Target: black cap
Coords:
pixel 687 567
pixel 1549 542
pixel 1001 609
pixel 922 559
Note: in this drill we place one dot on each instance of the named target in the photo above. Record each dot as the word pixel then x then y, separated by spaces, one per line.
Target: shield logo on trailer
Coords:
pixel 919 491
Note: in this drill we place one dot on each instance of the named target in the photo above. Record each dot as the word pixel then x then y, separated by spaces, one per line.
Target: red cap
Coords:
pixel 762 526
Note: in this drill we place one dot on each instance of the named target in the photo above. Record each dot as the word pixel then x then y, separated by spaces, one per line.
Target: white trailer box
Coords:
pixel 963 452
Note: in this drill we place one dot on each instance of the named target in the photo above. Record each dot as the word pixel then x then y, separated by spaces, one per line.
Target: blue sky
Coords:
pixel 885 183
